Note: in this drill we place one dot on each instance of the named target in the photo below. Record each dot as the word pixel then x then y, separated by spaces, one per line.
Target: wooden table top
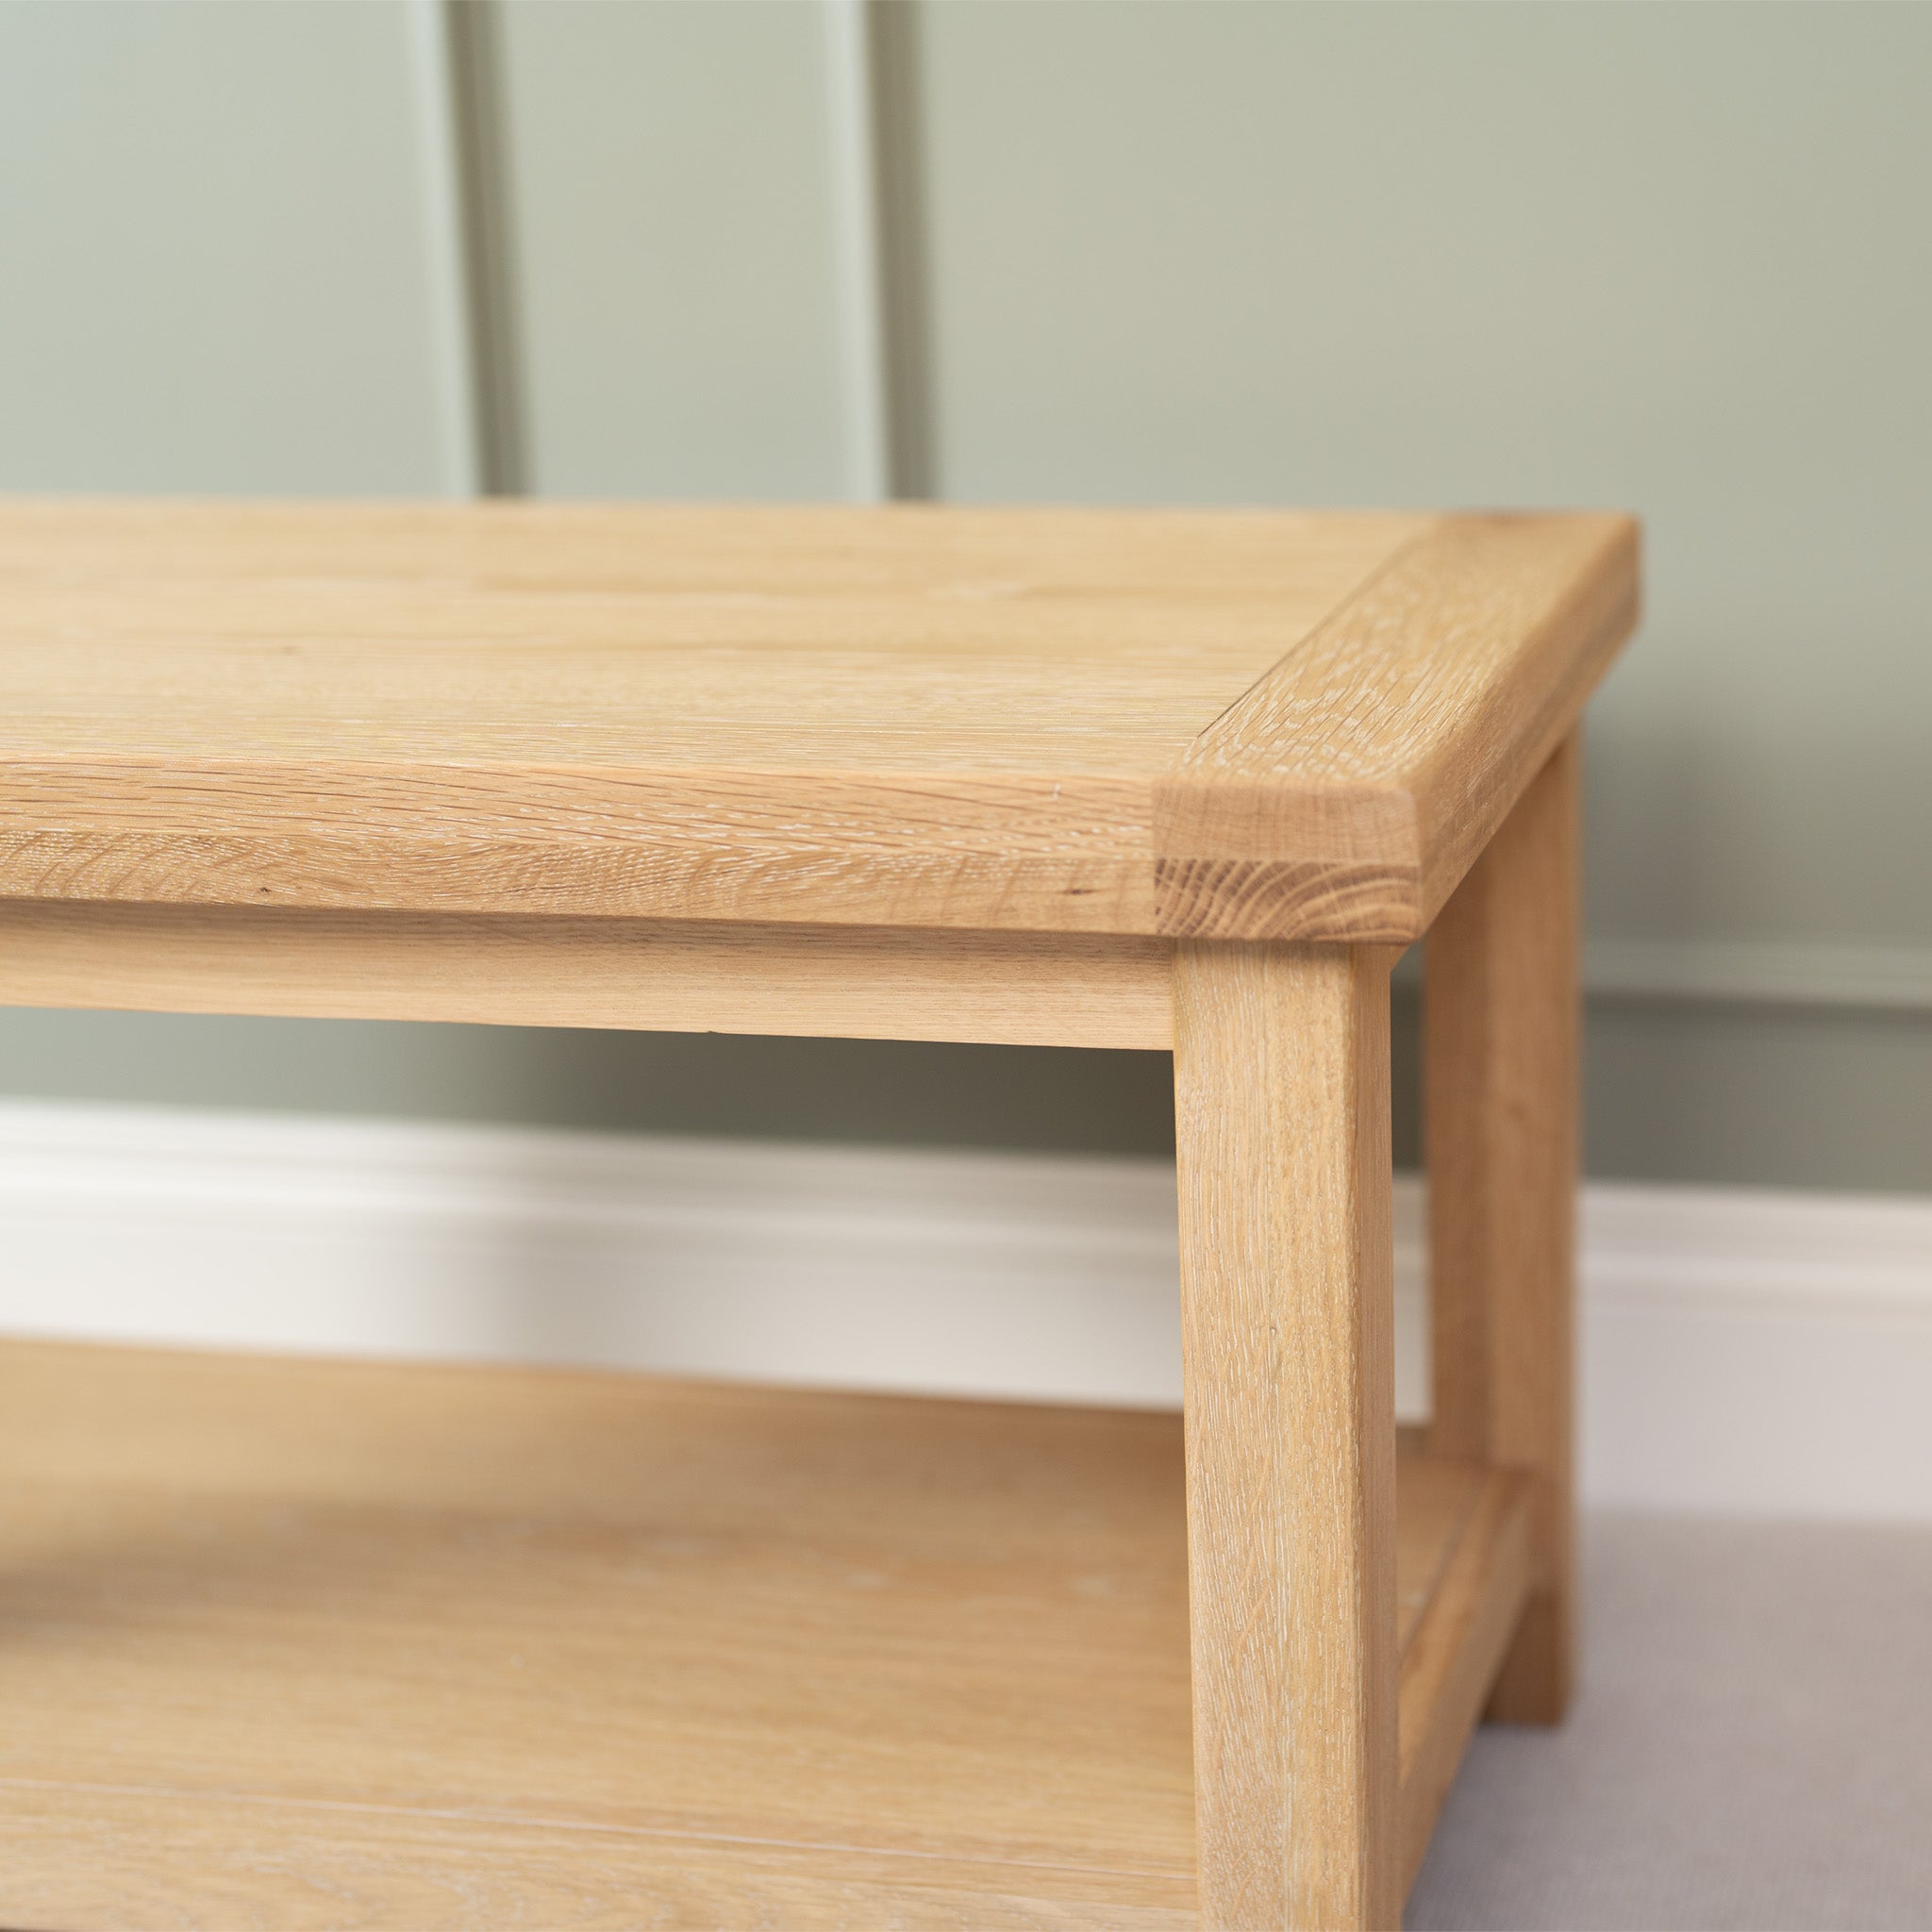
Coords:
pixel 1230 723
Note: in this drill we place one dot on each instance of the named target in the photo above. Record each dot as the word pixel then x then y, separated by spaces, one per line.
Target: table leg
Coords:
pixel 1281 1086
pixel 1501 1133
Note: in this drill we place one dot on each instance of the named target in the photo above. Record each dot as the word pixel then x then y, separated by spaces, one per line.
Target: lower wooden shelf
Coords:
pixel 314 1646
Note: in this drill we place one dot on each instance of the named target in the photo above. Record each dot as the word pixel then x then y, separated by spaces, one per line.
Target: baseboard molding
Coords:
pixel 1742 1353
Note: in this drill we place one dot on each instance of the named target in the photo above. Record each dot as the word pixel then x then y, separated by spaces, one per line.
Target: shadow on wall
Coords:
pixel 859 1091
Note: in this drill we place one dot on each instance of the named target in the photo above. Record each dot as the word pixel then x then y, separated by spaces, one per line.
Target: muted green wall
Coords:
pixel 1673 257
pixel 213 273
pixel 668 186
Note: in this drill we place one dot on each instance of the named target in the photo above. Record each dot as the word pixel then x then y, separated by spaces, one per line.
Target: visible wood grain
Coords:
pixel 299 1646
pixel 853 982
pixel 1281 1085
pixel 1350 788
pixel 106 1859
pixel 599 1619
pixel 444 762
pixel 890 716
pixel 1050 720
pixel 1501 1050
pixel 1453 1651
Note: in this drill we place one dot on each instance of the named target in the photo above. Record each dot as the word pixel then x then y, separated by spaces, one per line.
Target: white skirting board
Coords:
pixel 1742 1352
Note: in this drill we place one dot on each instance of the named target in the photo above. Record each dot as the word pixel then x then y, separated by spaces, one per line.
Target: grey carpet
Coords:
pixel 1751 1746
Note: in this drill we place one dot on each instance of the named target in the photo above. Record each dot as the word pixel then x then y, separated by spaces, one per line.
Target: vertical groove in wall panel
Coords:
pixel 893 28
pixel 484 240
pixel 446 254
pixel 851 108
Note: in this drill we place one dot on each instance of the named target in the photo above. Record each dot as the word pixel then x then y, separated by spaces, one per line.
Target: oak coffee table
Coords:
pixel 325 1645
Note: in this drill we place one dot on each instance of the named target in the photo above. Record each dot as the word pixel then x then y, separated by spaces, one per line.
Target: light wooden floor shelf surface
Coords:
pixel 304 1645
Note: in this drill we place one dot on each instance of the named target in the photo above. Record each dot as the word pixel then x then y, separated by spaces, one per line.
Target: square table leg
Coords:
pixel 1281 1087
pixel 1501 1133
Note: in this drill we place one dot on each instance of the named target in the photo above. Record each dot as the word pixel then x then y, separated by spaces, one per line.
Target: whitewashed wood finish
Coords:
pixel 1281 1095
pixel 923 773
pixel 1450 1659
pixel 663 975
pixel 1347 791
pixel 1262 724
pixel 455 1650
pixel 1502 1028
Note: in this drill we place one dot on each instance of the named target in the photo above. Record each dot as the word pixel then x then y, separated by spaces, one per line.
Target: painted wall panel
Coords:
pixel 212 250
pixel 1759 1095
pixel 672 255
